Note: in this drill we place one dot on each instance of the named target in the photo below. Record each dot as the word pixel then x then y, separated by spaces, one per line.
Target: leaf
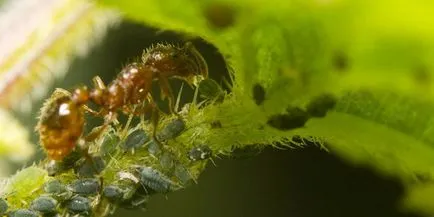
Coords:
pixel 36 51
pixel 14 139
pixel 374 57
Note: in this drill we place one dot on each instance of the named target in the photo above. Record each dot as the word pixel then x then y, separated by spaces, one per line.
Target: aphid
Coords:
pixel 109 144
pixel 79 205
pixel 153 148
pixel 294 118
pixel 320 105
pixel 216 124
pixel 61 122
pixel 155 180
pixel 58 190
pixel 118 193
pixel 166 161
pixel 54 187
pixel 136 139
pixel 258 94
pixel 340 61
pixel 183 174
pixel 23 213
pixel 201 152
pixel 113 193
pixel 90 168
pixel 172 130
pixel 56 167
pixel 3 206
pixel 85 187
pixel 44 204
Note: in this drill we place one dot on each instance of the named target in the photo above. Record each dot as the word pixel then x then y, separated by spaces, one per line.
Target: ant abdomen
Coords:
pixel 60 125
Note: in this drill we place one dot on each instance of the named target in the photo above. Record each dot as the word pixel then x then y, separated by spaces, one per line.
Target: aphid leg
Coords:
pixel 166 91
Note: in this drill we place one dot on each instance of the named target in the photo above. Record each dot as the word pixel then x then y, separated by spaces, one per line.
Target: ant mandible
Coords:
pixel 62 116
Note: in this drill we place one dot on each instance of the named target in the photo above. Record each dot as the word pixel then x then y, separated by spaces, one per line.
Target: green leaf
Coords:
pixel 34 53
pixel 374 56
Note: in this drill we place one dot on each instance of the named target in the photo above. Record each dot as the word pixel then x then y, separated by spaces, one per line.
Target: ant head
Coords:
pixel 184 62
pixel 80 95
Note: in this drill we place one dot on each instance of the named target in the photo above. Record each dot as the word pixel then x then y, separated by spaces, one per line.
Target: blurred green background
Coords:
pixel 304 182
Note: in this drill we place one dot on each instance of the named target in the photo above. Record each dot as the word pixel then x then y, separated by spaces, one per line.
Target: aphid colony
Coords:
pixel 129 188
pixel 61 127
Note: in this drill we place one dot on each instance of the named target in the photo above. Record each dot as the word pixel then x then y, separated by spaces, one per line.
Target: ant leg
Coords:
pixel 166 91
pixel 124 131
pixel 62 92
pixel 94 134
pixel 100 113
pixel 98 83
pixel 155 118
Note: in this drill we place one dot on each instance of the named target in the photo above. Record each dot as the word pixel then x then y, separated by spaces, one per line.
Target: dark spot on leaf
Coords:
pixel 340 61
pixel 216 124
pixel 294 118
pixel 422 75
pixel 258 94
pixel 320 105
pixel 220 15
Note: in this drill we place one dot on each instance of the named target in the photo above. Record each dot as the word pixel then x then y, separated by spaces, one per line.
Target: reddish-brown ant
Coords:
pixel 62 120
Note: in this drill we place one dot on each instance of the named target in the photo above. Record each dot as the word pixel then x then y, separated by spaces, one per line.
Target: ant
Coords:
pixel 62 120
